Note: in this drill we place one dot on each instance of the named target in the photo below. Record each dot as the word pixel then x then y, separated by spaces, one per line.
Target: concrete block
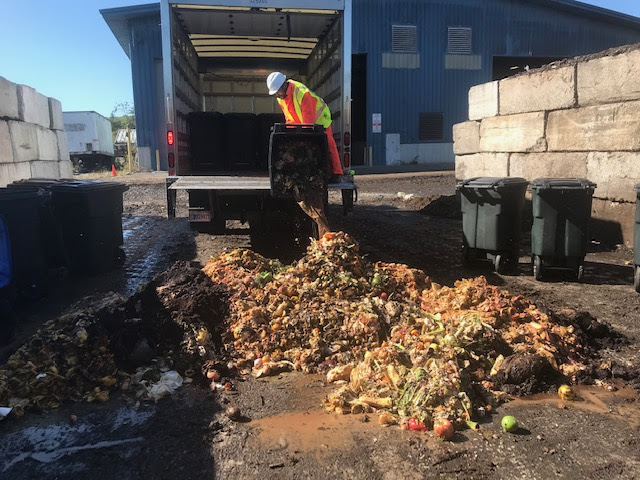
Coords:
pixel 615 173
pixel 614 127
pixel 33 107
pixel 523 132
pixel 47 144
pixel 483 101
pixel 6 148
pixel 547 164
pixel 63 145
pixel 45 169
pixel 66 169
pixel 8 99
pixel 551 89
pixel 10 172
pixel 609 79
pixel 482 165
pixel 55 114
pixel 466 138
pixel 24 138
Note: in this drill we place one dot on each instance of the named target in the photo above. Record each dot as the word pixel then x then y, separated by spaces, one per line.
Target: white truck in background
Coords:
pixel 90 140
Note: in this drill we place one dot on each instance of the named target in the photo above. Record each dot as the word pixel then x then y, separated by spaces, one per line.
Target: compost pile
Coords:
pixel 117 343
pixel 298 167
pixel 399 342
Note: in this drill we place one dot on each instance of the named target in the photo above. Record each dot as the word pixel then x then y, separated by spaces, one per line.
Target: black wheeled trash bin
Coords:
pixel 560 231
pixel 90 216
pixel 636 243
pixel 491 220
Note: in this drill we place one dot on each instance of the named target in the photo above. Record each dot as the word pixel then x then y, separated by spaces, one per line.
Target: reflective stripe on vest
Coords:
pixel 323 115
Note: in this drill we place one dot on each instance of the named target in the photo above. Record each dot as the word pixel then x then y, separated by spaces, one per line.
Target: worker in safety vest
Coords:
pixel 301 105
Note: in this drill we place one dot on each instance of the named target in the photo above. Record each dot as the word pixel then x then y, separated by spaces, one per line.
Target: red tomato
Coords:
pixel 383 295
pixel 416 425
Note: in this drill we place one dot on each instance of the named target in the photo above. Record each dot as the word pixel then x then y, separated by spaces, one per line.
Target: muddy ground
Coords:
pixel 285 433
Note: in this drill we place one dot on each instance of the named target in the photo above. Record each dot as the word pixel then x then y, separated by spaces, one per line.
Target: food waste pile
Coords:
pixel 397 343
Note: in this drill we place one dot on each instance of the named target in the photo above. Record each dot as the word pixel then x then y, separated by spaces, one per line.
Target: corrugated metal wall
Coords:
pixel 499 28
pixel 146 58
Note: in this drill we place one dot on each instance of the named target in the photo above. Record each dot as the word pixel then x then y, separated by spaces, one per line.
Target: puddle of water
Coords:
pixel 623 403
pixel 312 431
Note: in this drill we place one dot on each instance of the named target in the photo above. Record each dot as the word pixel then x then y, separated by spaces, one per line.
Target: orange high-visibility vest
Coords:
pixel 294 110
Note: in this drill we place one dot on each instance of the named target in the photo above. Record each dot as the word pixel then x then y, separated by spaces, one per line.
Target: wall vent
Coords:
pixel 404 38
pixel 459 41
pixel 431 126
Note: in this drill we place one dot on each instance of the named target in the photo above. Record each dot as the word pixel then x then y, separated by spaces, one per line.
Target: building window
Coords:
pixel 404 38
pixel 459 41
pixel 431 126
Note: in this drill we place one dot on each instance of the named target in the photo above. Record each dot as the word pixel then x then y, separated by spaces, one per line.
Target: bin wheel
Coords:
pixel 466 255
pixel 579 271
pixel 636 279
pixel 538 267
pixel 119 257
pixel 500 263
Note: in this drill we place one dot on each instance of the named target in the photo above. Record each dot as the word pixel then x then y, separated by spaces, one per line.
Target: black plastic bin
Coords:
pixel 51 233
pixel 90 216
pixel 207 140
pixel 560 231
pixel 24 261
pixel 266 122
pixel 636 243
pixel 491 220
pixel 241 140
pixel 297 159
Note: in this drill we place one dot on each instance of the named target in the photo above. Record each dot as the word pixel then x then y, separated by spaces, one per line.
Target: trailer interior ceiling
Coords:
pixel 225 37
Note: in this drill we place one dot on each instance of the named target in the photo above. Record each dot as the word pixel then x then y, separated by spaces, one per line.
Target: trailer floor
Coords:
pixel 285 433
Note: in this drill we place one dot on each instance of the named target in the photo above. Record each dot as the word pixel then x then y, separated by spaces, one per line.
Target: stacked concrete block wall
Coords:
pixel 576 118
pixel 33 143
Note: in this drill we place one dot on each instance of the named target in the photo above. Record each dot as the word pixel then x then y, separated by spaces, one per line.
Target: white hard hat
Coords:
pixel 274 81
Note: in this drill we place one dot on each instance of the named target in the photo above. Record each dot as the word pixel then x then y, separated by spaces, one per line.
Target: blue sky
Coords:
pixel 64 49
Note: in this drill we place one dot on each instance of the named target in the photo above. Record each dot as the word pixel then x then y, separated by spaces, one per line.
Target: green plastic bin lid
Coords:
pixel 492 182
pixel 562 183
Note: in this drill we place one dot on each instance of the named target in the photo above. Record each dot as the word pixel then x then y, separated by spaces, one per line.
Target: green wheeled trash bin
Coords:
pixel 491 220
pixel 636 243
pixel 560 231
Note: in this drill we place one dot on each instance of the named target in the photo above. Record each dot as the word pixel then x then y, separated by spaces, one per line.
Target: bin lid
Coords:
pixel 35 183
pixel 492 182
pixel 81 186
pixel 562 183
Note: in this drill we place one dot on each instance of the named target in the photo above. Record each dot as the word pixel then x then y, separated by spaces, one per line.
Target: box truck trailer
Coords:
pixel 219 116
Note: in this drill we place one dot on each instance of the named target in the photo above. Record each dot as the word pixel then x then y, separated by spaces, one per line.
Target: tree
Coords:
pixel 122 115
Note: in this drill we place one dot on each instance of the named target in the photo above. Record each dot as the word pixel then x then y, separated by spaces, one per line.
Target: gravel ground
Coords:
pixel 285 433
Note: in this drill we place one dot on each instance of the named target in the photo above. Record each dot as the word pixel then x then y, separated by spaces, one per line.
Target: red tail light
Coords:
pixel 172 160
pixel 170 138
pixel 347 160
pixel 347 139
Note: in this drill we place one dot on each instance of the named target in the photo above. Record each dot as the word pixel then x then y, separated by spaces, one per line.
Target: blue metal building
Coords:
pixel 413 64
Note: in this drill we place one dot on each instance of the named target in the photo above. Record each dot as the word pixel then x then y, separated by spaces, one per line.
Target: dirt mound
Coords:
pixel 96 347
pixel 446 206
